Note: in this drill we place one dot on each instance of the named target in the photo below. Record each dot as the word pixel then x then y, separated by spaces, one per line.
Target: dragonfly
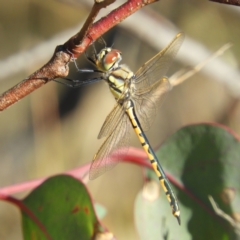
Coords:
pixel 137 97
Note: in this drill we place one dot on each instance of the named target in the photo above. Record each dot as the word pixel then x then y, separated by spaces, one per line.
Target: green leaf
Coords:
pixel 63 207
pixel 205 160
pixel 100 210
pixel 153 216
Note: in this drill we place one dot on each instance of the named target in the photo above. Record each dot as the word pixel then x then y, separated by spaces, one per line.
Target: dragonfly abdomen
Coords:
pixel 129 108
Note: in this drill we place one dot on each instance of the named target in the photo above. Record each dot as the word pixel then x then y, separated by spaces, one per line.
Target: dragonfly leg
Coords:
pixel 74 83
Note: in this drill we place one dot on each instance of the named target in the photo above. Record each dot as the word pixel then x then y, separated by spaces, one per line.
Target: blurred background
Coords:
pixel 55 128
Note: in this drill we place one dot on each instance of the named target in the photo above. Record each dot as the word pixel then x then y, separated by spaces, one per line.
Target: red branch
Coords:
pixel 76 45
pixel 136 156
pixel 104 24
pixel 30 214
pixel 230 2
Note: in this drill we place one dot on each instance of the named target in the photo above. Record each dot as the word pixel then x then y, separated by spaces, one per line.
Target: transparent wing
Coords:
pixel 154 69
pixel 111 121
pixel 146 101
pixel 117 142
pixel 150 87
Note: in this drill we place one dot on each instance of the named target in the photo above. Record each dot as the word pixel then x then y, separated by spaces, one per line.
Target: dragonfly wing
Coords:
pixel 154 69
pixel 145 102
pixel 111 121
pixel 150 87
pixel 112 149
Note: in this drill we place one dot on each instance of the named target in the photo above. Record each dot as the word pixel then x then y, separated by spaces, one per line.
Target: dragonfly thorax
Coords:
pixel 119 81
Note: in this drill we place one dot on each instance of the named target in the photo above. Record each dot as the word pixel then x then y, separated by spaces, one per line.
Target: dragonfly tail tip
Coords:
pixel 178 219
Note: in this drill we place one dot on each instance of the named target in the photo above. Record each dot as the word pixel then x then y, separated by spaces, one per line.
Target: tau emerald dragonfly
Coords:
pixel 137 96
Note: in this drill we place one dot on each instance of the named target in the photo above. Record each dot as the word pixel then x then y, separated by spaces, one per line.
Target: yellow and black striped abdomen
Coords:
pixel 129 108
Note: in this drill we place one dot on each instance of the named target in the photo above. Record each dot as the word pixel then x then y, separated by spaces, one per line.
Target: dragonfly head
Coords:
pixel 108 58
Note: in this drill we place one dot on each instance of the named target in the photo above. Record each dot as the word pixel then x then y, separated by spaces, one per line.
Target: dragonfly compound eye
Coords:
pixel 112 57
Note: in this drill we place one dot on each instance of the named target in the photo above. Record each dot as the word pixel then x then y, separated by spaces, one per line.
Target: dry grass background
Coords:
pixel 55 128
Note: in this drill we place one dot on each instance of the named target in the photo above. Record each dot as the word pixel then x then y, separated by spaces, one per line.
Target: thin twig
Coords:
pixel 182 75
pixel 104 24
pixel 223 215
pixel 91 17
pixel 58 65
